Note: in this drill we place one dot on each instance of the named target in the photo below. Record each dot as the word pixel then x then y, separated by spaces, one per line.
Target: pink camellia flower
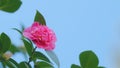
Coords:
pixel 41 35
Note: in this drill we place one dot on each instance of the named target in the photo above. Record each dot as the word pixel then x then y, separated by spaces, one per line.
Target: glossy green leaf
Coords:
pixel 10 5
pixel 75 66
pixel 11 63
pixel 41 56
pixel 42 65
pixel 28 46
pixel 24 65
pixel 88 59
pixel 30 41
pixel 53 56
pixel 5 43
pixel 39 18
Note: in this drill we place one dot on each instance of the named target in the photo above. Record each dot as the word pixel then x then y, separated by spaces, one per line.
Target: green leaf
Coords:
pixel 53 56
pixel 22 27
pixel 101 67
pixel 30 41
pixel 17 30
pixel 3 65
pixel 11 63
pixel 10 5
pixel 88 59
pixel 42 65
pixel 5 43
pixel 28 46
pixel 1 47
pixel 75 66
pixel 14 49
pixel 41 56
pixel 39 18
pixel 24 65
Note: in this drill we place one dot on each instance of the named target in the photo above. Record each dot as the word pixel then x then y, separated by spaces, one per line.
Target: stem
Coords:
pixel 30 58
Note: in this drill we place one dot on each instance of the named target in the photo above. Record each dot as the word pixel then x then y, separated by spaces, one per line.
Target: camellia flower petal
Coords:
pixel 41 35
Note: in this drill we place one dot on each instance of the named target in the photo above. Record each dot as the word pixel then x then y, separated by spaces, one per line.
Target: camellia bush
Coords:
pixel 36 36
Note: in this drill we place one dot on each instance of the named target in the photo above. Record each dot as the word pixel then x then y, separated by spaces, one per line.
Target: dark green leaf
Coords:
pixel 53 56
pixel 18 30
pixel 30 41
pixel 5 43
pixel 1 47
pixel 88 59
pixel 39 18
pixel 10 5
pixel 75 66
pixel 11 63
pixel 22 27
pixel 3 65
pixel 28 46
pixel 24 65
pixel 42 65
pixel 41 56
pixel 101 67
pixel 14 49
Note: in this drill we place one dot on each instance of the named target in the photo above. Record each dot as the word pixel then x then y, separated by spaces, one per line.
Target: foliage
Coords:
pixel 10 5
pixel 88 59
pixel 38 58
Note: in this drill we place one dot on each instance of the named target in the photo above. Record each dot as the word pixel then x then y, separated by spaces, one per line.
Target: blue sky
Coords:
pixel 79 25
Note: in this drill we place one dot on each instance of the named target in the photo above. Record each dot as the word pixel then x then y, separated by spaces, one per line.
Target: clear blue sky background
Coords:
pixel 79 25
